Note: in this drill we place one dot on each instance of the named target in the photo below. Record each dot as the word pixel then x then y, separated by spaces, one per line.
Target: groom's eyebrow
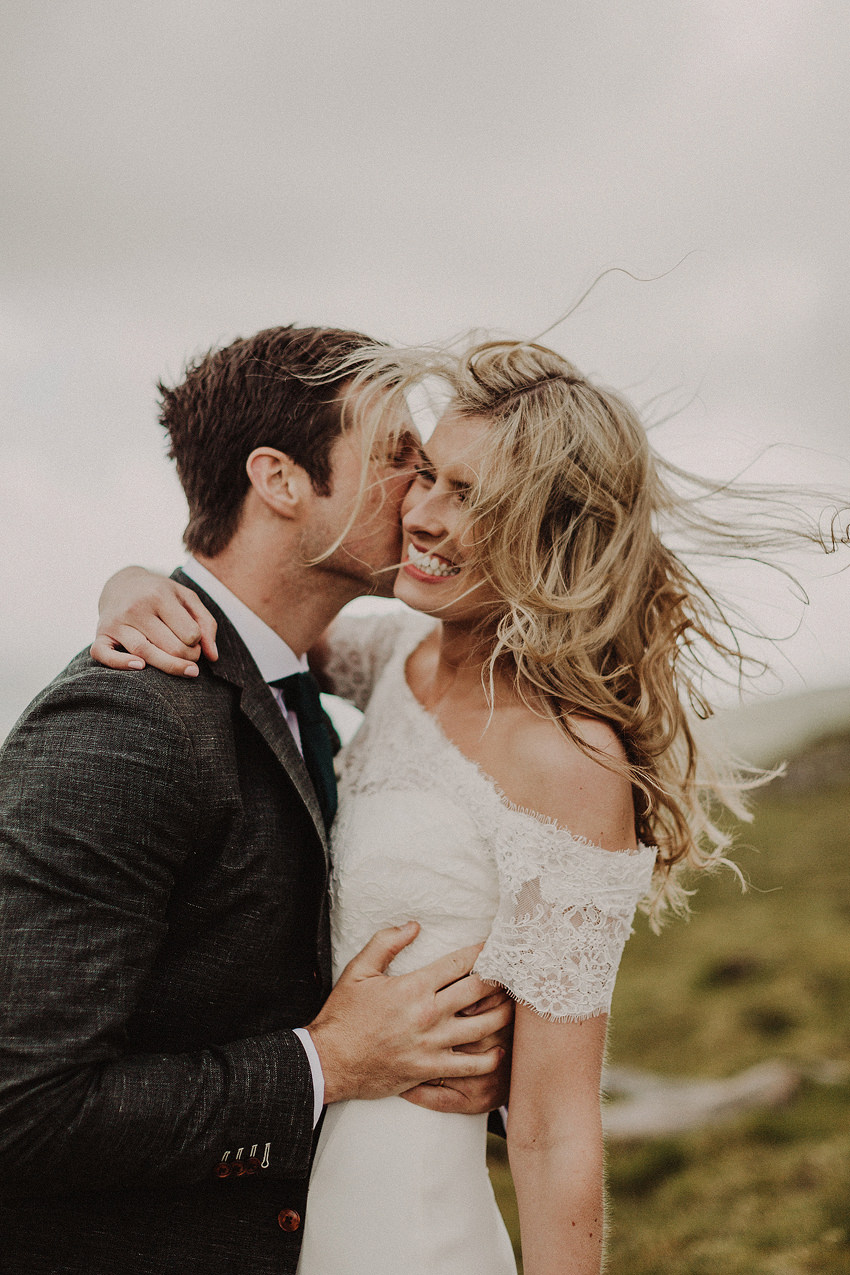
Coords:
pixel 399 449
pixel 423 458
pixel 409 442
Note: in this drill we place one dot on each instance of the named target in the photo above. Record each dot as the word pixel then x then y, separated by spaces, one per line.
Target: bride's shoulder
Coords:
pixel 581 788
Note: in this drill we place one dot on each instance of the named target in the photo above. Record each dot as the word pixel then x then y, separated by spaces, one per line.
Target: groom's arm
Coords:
pixel 101 803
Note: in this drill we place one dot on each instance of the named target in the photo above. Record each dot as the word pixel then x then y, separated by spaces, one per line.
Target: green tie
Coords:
pixel 301 696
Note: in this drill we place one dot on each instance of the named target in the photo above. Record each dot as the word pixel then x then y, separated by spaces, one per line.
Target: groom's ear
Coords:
pixel 281 485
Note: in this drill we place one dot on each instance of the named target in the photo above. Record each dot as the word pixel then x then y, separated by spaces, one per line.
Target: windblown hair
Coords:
pixel 570 518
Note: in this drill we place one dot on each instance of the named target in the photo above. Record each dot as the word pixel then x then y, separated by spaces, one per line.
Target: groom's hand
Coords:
pixel 378 1034
pixel 473 1095
pixel 466 1095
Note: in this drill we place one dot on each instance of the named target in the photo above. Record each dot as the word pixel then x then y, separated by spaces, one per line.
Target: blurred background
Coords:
pixel 177 175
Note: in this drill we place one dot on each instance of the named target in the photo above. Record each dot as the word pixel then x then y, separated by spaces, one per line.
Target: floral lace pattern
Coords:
pixel 358 649
pixel 565 913
pixel 423 833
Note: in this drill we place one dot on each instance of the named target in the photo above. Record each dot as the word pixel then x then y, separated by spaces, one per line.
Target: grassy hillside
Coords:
pixel 749 977
pixel 775 727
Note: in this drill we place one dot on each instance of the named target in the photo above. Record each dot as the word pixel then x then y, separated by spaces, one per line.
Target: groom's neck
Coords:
pixel 298 601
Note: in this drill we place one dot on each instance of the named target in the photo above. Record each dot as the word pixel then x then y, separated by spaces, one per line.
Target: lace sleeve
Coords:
pixel 359 647
pixel 565 912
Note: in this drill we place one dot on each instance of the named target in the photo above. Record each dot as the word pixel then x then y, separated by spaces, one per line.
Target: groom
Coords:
pixel 168 1035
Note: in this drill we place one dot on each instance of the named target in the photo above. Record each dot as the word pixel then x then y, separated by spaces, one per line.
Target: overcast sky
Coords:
pixel 178 174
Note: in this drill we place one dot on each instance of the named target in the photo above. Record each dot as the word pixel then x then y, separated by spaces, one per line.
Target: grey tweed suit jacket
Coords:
pixel 163 924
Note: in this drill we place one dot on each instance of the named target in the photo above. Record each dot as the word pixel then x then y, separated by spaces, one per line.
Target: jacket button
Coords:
pixel 288 1220
pixel 222 1170
pixel 253 1164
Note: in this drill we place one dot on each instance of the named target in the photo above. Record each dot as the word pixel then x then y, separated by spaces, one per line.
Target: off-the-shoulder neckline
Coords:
pixel 404 653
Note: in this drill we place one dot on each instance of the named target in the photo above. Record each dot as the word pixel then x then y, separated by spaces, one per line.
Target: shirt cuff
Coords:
pixel 315 1070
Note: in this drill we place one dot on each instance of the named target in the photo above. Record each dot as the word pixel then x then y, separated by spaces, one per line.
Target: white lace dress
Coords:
pixel 422 833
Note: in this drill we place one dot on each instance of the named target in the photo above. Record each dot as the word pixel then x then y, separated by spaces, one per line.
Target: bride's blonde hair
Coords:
pixel 570 516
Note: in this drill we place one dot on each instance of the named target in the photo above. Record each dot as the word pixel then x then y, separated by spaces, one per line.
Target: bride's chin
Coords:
pixel 413 597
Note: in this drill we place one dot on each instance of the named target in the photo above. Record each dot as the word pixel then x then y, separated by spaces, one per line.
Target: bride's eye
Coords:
pixel 425 473
pixel 460 491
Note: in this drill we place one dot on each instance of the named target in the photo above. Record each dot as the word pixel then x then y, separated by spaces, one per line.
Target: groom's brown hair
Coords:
pixel 279 388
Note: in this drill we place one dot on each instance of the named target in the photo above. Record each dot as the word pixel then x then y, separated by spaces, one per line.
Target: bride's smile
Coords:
pixel 430 565
pixel 439 572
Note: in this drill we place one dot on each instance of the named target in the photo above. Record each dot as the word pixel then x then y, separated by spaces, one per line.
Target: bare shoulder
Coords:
pixel 546 771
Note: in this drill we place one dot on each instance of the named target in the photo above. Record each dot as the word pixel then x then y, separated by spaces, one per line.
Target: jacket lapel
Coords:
pixel 257 702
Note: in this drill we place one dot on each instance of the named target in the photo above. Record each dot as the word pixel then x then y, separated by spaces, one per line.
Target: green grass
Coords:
pixel 753 976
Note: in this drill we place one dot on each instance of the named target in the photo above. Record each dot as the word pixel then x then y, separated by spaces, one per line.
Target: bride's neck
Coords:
pixel 462 656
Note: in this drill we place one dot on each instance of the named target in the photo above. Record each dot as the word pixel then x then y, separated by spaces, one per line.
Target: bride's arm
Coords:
pixel 567 899
pixel 555 1143
pixel 146 618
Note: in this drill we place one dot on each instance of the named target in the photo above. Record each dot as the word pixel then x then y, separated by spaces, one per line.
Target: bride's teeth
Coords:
pixel 429 564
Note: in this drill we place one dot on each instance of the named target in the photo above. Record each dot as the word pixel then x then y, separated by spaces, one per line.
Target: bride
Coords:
pixel 525 774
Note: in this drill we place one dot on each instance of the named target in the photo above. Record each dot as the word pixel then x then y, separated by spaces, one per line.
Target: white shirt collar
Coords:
pixel 270 653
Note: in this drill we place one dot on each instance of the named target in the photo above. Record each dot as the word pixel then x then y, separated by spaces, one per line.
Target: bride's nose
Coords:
pixel 421 513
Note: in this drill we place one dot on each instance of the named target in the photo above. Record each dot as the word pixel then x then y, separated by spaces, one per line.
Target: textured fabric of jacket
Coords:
pixel 163 924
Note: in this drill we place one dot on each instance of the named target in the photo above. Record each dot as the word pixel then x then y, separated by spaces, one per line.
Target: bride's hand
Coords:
pixel 146 618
